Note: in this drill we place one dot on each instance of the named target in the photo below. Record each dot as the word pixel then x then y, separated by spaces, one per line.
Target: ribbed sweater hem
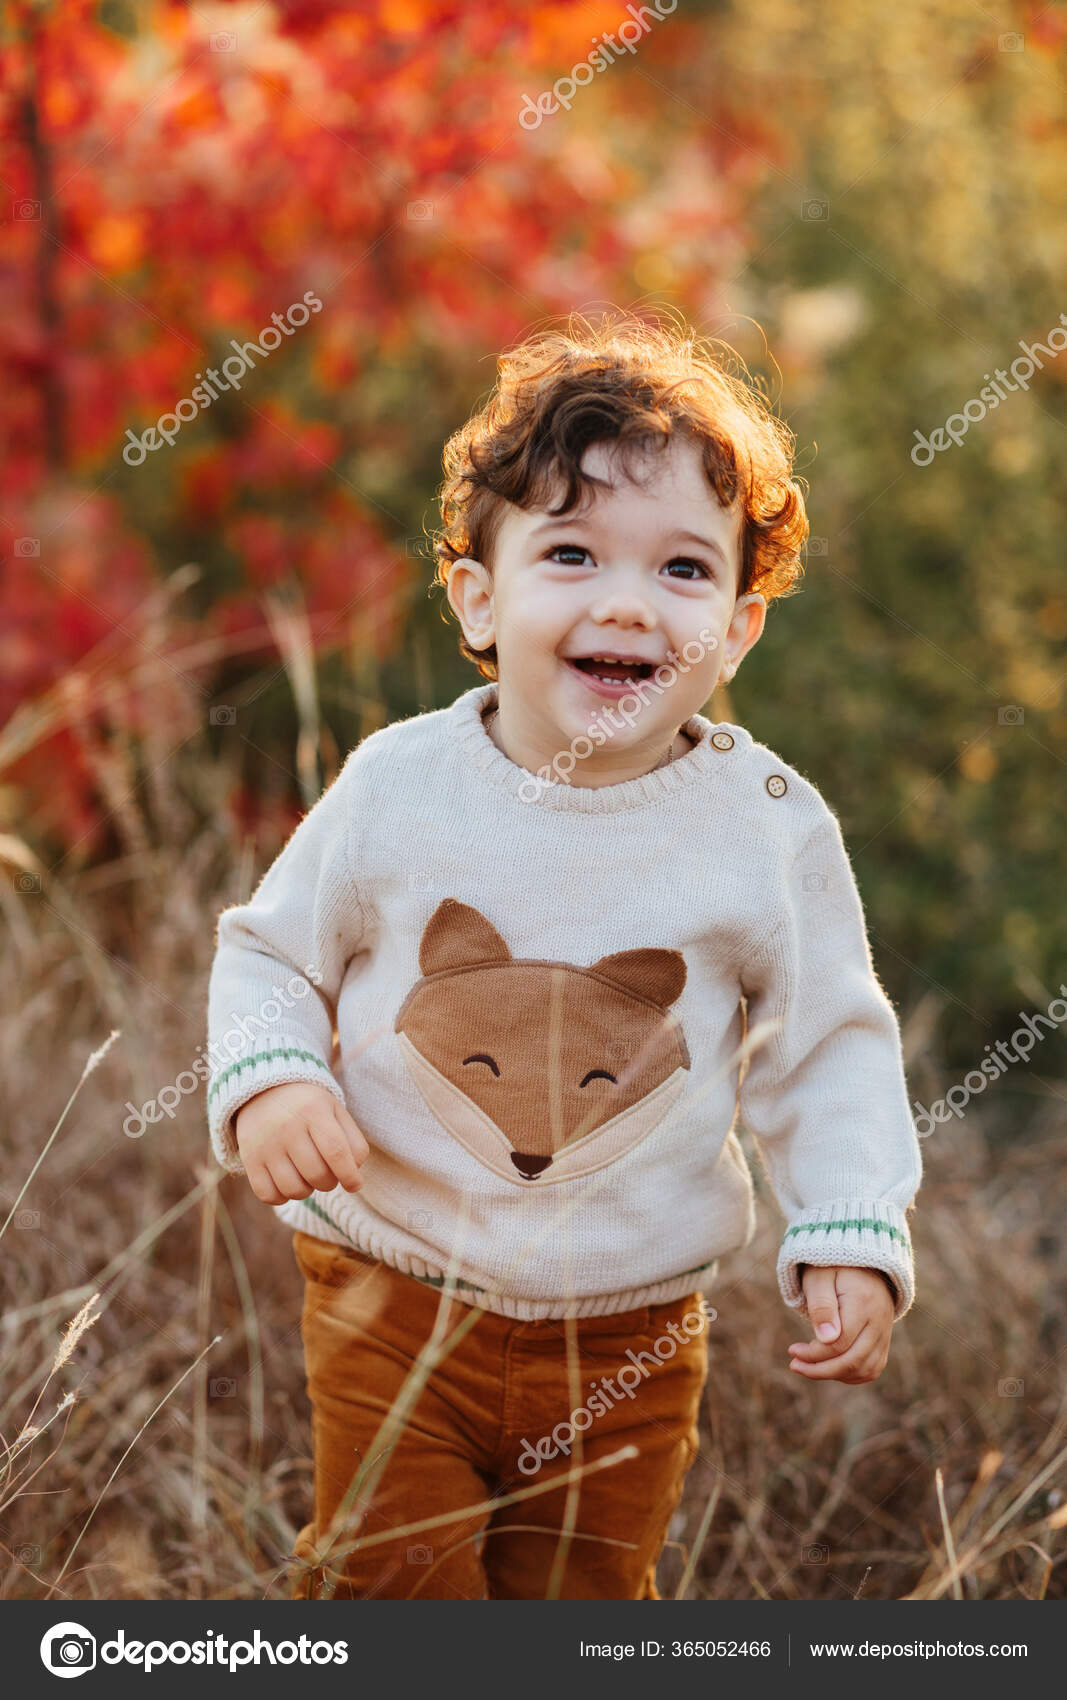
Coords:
pixel 309 1217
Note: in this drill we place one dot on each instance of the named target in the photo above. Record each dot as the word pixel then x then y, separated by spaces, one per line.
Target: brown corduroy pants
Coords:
pixel 509 1406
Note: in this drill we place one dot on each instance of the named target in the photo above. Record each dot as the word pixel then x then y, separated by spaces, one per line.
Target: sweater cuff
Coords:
pixel 278 1063
pixel 862 1233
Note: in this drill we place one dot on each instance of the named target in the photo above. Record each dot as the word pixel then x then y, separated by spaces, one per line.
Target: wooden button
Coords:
pixel 722 740
pixel 776 785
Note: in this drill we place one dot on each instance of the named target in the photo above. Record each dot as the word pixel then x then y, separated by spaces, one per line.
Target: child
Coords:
pixel 568 929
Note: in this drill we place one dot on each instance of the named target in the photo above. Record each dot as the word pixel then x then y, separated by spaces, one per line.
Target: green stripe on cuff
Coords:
pixel 265 1056
pixel 856 1223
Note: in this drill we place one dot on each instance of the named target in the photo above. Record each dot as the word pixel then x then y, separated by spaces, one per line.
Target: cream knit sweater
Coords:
pixel 543 1003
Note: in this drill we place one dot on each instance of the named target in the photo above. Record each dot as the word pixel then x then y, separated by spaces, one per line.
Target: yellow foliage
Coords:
pixel 978 763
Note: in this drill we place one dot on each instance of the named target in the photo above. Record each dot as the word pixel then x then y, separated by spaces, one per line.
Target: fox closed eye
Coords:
pixel 594 1073
pixel 480 1056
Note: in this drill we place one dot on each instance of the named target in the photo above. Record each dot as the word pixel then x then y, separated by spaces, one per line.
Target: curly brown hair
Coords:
pixel 633 381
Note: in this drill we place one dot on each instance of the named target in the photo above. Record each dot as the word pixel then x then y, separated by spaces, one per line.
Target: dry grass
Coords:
pixel 151 1315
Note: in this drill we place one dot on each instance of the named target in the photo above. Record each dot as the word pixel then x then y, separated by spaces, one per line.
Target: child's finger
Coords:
pixel 287 1178
pixel 820 1292
pixel 264 1188
pixel 335 1150
pixel 352 1131
pixel 308 1154
pixel 815 1352
pixel 853 1319
pixel 838 1364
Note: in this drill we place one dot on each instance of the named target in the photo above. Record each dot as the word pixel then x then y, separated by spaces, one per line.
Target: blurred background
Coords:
pixel 197 626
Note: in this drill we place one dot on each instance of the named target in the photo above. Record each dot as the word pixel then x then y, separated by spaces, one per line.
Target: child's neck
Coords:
pixel 681 746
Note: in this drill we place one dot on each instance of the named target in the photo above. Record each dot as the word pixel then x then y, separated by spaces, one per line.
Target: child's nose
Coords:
pixel 623 601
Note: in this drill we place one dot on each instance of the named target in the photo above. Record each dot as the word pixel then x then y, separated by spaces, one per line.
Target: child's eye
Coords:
pixel 697 567
pixel 685 561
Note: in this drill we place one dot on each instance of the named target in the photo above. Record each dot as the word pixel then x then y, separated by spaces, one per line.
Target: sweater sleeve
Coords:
pixel 278 968
pixel 826 1098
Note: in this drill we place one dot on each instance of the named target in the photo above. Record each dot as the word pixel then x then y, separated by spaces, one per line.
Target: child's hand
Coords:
pixel 297 1139
pixel 857 1307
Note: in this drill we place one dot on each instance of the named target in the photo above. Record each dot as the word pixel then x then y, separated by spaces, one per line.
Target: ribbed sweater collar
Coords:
pixel 701 762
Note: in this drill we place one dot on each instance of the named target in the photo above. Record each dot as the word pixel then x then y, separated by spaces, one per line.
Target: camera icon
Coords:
pixel 27 1218
pixel 1010 715
pixel 419 1219
pixel 814 882
pixel 26 209
pixel 1010 1387
pixel 27 546
pixel 68 1649
pixel 420 209
pixel 420 1555
pixel 815 1555
pixel 818 546
pixel 27 883
pixel 223 715
pixel 415 546
pixel 1011 43
pixel 815 210
pixel 28 1555
pixel 222 1387
pixel 224 42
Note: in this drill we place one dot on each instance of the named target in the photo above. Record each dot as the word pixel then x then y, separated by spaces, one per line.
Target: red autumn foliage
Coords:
pixel 174 191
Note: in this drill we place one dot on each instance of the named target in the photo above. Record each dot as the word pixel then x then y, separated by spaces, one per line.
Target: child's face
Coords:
pixel 619 578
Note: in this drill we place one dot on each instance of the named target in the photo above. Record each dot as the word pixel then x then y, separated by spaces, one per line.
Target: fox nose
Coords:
pixel 528 1165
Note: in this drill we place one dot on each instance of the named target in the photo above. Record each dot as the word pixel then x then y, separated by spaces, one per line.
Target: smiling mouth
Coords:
pixel 612 672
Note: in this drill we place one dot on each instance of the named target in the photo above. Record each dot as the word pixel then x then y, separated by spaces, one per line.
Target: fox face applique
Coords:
pixel 541 1070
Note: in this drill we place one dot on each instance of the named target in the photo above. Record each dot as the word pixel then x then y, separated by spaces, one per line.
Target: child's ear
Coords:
pixel 470 596
pixel 745 630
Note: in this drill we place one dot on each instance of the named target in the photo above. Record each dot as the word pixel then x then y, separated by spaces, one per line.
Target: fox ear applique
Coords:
pixel 458 936
pixel 541 1070
pixel 657 975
